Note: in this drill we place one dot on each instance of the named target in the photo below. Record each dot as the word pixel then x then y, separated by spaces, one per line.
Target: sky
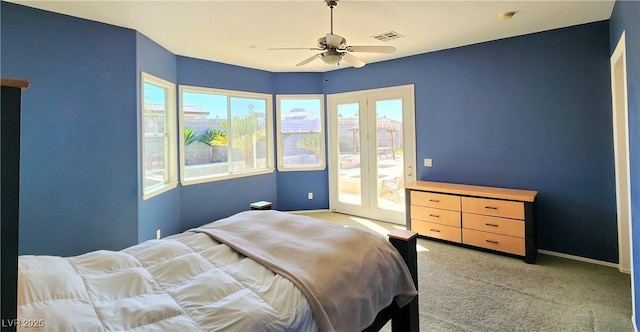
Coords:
pixel 216 105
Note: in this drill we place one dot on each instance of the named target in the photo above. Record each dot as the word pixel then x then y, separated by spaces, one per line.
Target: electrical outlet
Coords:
pixel 158 234
pixel 310 195
pixel 428 162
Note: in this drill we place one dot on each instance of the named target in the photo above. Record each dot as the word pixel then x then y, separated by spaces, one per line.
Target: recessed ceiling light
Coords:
pixel 507 15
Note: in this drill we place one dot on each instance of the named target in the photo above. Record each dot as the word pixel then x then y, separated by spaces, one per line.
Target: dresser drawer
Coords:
pixel 493 207
pixel 504 243
pixel 438 216
pixel 440 201
pixel 496 225
pixel 437 231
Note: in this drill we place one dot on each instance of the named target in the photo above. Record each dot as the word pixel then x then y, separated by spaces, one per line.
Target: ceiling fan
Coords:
pixel 335 49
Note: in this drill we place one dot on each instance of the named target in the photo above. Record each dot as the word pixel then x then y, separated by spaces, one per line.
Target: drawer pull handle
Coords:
pixel 492 225
pixel 434 215
pixel 434 200
pixel 491 207
pixel 491 241
pixel 435 230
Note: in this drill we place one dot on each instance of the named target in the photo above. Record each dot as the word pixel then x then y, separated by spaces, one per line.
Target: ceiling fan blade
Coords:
pixel 334 41
pixel 304 62
pixel 372 49
pixel 353 60
pixel 294 48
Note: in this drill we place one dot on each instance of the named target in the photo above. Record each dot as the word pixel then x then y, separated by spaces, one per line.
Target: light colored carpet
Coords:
pixel 463 289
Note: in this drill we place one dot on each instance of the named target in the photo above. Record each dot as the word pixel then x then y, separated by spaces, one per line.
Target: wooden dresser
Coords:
pixel 497 219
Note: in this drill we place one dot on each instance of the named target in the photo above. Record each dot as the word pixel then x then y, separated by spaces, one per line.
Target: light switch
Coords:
pixel 428 162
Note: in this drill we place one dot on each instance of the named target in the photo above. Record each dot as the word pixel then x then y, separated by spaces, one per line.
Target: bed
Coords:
pixel 253 271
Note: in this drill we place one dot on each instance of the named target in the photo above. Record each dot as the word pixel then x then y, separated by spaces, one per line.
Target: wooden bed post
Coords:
pixel 10 189
pixel 406 318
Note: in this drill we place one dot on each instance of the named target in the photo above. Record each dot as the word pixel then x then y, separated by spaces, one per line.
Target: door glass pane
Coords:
pixel 349 182
pixel 389 144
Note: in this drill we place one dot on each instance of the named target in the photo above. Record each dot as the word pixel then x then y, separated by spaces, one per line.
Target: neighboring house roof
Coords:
pixel 300 114
pixel 191 111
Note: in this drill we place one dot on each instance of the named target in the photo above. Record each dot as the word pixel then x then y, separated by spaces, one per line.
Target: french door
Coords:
pixel 371 152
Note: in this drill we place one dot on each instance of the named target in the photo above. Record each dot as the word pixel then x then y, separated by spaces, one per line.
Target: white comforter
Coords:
pixel 348 275
pixel 192 282
pixel 187 283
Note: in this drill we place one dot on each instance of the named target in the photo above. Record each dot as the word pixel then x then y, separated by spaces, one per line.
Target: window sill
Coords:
pixel 207 179
pixel 159 190
pixel 301 168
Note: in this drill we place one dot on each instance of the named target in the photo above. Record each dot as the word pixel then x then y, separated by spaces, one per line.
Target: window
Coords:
pixel 300 132
pixel 158 141
pixel 226 134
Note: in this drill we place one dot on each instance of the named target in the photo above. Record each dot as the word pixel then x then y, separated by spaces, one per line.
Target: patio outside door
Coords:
pixel 371 152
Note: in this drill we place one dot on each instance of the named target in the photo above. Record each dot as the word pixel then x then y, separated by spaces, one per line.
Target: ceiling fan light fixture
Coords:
pixel 335 48
pixel 331 58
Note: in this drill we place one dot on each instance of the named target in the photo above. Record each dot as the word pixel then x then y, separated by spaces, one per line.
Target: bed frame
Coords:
pixel 403 319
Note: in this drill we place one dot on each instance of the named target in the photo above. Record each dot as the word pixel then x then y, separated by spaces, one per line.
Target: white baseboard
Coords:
pixel 578 258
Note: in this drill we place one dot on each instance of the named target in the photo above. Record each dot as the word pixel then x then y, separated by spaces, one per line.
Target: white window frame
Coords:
pixel 280 139
pixel 229 93
pixel 170 148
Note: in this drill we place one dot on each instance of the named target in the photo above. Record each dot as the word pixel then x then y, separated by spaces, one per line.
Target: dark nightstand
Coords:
pixel 261 205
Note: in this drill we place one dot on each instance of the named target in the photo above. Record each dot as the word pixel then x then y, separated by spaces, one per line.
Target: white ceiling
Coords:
pixel 240 32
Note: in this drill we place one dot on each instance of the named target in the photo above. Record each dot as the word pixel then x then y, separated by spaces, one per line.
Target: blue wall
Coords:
pixel 625 17
pixel 163 211
pixel 529 112
pixel 207 202
pixel 79 157
pixel 80 180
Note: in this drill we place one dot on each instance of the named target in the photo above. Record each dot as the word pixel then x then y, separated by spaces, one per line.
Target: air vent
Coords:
pixel 391 35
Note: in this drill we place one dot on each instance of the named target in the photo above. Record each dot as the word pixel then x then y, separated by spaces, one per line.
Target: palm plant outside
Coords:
pixel 189 136
pixel 213 138
pixel 246 132
pixel 311 142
